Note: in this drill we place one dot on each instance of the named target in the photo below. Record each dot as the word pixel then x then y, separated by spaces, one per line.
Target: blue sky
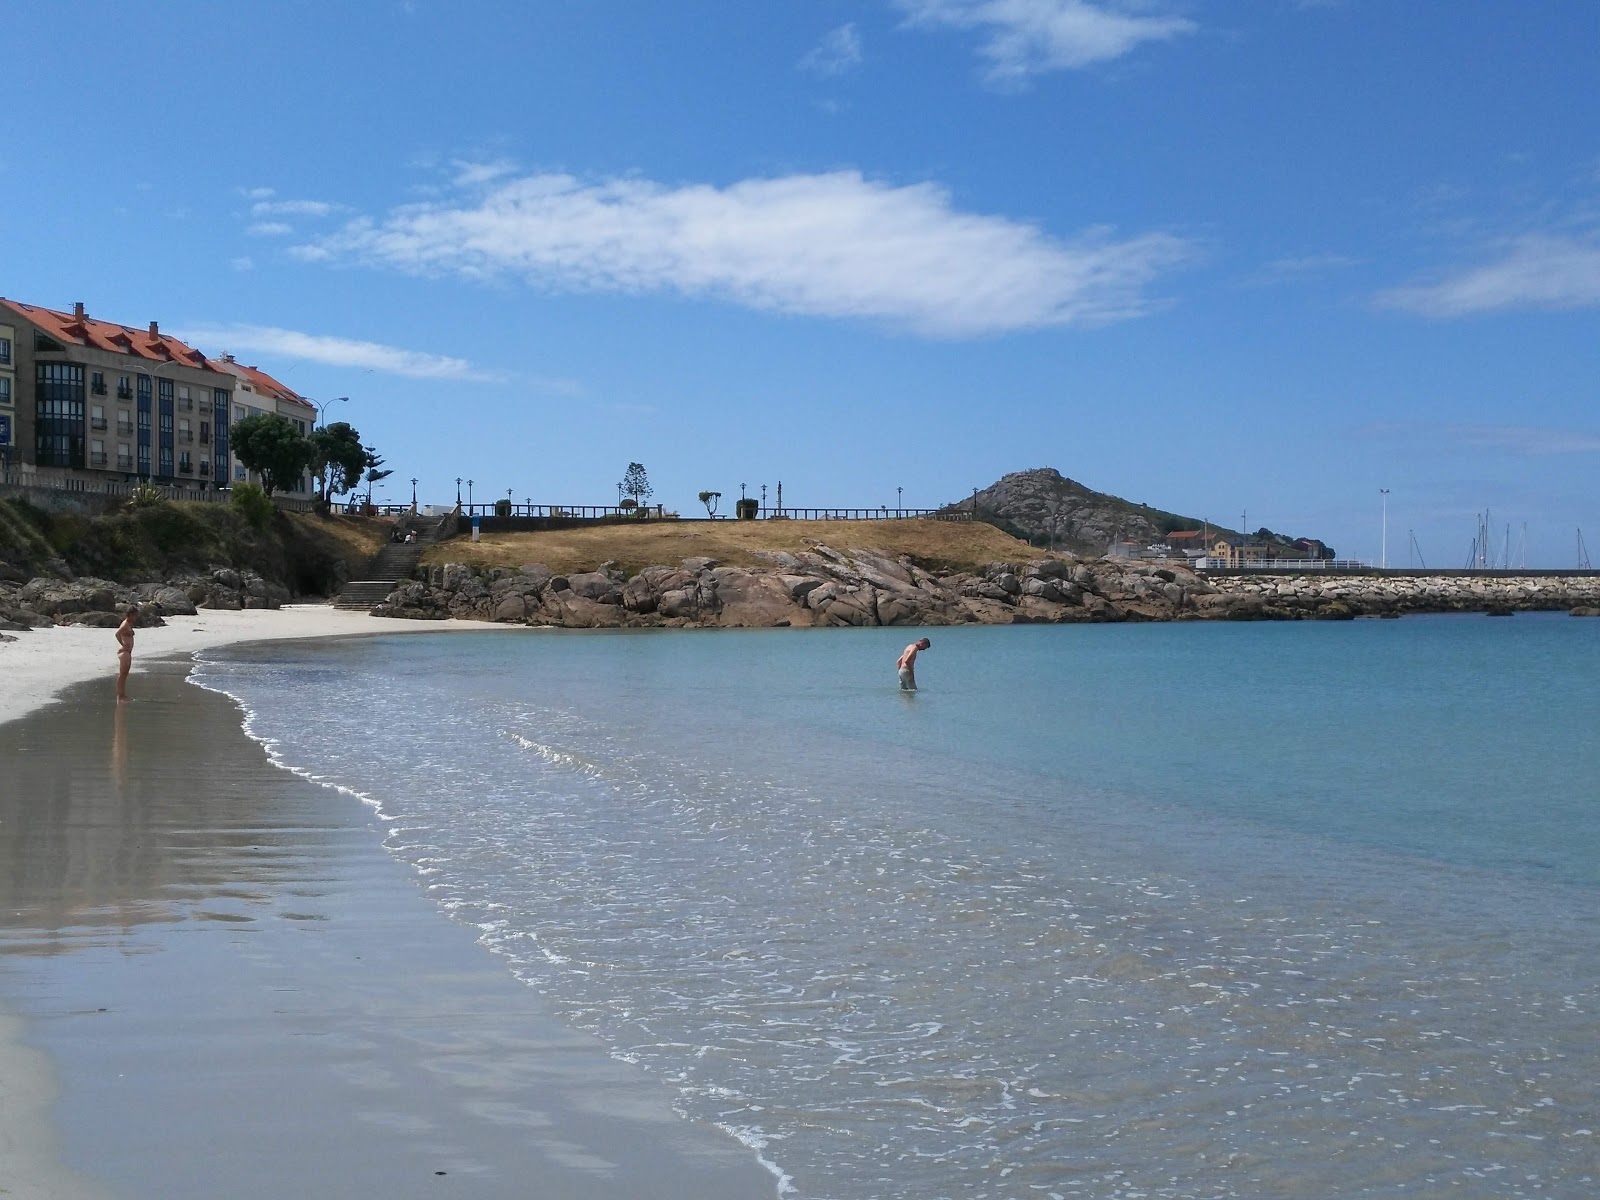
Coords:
pixel 1216 257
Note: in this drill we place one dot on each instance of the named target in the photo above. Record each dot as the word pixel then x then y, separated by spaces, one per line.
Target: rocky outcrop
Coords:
pixel 1045 507
pixel 817 587
pixel 822 586
pixel 99 602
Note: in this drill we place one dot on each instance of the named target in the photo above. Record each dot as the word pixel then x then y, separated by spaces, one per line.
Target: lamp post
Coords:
pixel 322 407
pixel 413 494
pixel 458 491
pixel 469 495
pixel 899 501
pixel 1383 554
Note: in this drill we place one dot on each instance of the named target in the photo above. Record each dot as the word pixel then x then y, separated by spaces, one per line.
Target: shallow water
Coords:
pixel 1114 911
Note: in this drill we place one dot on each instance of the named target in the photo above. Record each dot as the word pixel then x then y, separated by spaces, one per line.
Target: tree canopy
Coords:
pixel 270 446
pixel 636 483
pixel 338 458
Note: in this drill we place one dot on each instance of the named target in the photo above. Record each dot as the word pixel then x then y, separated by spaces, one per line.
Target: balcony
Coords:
pixel 124 463
pixel 98 424
pixel 186 405
pixel 124 393
pixel 205 467
pixel 98 458
pixel 185 435
pixel 97 389
pixel 125 430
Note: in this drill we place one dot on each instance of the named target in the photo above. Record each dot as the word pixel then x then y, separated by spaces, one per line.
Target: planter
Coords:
pixel 746 510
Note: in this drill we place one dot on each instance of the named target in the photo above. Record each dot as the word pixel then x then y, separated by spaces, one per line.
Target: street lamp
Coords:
pixel 899 501
pixel 1383 557
pixel 413 493
pixel 458 491
pixel 469 495
pixel 322 407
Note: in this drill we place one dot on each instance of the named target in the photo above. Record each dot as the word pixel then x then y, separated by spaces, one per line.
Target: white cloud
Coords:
pixel 1534 271
pixel 1029 37
pixel 335 352
pixel 268 229
pixel 257 193
pixel 1520 440
pixel 291 208
pixel 475 174
pixel 838 52
pixel 833 245
pixel 242 263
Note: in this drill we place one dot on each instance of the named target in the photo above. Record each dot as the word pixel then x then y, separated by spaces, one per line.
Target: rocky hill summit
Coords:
pixel 1044 507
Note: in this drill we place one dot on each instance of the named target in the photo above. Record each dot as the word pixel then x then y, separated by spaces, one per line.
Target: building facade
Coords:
pixel 104 400
pixel 8 392
pixel 255 392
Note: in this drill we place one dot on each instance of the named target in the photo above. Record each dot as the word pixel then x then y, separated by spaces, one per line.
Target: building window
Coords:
pixel 205 433
pixel 97 417
pixel 124 423
pixel 241 474
pixel 58 414
pixel 185 434
pixel 238 414
pixel 5 390
pixel 124 388
pixel 124 457
pixel 97 454
pixel 5 350
pixel 185 465
pixel 97 383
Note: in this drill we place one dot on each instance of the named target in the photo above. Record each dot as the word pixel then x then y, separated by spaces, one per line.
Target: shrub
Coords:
pixel 146 495
pixel 254 503
pixel 502 508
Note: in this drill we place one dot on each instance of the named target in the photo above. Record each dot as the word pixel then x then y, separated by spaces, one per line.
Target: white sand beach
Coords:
pixel 41 663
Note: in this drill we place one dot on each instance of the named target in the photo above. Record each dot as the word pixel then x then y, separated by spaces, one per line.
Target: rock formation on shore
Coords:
pixel 823 587
pixel 88 601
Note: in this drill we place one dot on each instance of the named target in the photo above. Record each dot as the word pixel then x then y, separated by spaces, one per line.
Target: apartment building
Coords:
pixel 256 392
pixel 106 400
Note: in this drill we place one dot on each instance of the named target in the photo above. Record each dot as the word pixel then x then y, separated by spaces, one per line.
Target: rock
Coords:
pixel 1585 611
pixel 513 609
pixel 596 586
pixel 695 565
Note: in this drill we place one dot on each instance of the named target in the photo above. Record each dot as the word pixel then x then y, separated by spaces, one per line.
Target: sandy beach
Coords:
pixel 214 980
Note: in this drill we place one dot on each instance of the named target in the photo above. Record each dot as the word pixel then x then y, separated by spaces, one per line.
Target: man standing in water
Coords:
pixel 908 664
pixel 125 652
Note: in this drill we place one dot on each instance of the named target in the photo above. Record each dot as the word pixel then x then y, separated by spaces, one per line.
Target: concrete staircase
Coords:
pixel 391 566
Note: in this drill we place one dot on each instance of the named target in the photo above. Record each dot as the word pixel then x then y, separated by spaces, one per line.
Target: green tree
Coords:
pixel 374 461
pixel 637 484
pixel 709 499
pixel 337 459
pixel 269 445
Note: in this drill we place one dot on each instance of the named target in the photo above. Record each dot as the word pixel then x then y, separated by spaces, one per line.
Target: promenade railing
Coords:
pixel 611 512
pixel 23 479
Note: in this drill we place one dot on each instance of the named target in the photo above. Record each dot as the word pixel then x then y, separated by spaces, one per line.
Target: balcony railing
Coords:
pixel 124 430
pixel 97 389
pixel 98 423
pixel 124 393
pixel 185 435
pixel 98 458
pixel 205 467
pixel 185 405
pixel 124 463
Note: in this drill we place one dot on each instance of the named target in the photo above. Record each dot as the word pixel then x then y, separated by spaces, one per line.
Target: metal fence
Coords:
pixel 611 512
pixel 24 478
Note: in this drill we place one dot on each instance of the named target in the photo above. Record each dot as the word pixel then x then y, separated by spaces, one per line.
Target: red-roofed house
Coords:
pixel 111 400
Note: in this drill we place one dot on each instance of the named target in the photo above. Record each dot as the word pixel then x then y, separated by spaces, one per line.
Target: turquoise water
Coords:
pixel 1175 910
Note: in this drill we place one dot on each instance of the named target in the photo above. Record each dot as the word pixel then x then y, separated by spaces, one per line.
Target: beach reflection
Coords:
pixel 114 817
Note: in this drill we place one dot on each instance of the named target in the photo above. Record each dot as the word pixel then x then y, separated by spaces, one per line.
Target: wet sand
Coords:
pixel 217 983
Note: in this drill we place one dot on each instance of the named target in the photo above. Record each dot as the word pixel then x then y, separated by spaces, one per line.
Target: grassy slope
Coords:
pixel 940 546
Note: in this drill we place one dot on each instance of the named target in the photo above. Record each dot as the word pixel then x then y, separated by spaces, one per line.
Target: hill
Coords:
pixel 1045 508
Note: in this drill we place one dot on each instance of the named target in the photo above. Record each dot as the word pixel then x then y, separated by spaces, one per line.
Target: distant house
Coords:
pixel 1186 543
pixel 1311 548
pixel 1238 552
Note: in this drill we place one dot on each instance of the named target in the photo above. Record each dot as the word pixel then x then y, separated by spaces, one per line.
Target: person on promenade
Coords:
pixel 908 664
pixel 125 652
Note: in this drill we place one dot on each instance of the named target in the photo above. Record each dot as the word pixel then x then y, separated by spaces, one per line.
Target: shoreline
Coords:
pixel 43 663
pixel 215 979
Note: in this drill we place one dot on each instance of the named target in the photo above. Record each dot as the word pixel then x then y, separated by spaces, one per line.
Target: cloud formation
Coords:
pixel 335 352
pixel 291 208
pixel 832 245
pixel 838 52
pixel 1522 441
pixel 1023 38
pixel 1535 271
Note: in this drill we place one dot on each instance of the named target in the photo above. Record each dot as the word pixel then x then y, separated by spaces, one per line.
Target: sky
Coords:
pixel 1248 262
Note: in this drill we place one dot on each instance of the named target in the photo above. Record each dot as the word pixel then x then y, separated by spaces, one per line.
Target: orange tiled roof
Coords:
pixel 149 345
pixel 262 383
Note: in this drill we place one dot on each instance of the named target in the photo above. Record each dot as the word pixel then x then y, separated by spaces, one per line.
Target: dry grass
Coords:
pixel 941 546
pixel 362 536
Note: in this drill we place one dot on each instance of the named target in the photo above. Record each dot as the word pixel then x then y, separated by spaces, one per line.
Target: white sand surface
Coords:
pixel 36 667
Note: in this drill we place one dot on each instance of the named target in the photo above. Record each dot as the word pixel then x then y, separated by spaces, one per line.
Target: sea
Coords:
pixel 1113 911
